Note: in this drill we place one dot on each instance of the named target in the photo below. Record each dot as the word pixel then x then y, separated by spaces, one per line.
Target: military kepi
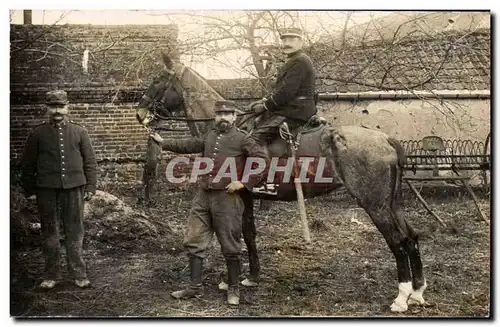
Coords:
pixel 225 106
pixel 58 97
pixel 291 32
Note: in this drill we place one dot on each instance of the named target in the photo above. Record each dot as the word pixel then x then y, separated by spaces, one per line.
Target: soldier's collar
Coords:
pixel 215 128
pixel 64 122
pixel 293 54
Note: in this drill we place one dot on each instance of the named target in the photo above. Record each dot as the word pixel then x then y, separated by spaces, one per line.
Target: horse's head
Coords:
pixel 178 89
pixel 164 96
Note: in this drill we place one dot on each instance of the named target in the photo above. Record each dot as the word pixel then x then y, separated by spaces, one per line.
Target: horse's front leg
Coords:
pixel 249 235
pixel 149 173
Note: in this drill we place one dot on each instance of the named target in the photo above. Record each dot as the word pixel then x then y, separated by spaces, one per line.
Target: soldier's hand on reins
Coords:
pixel 234 186
pixel 156 137
pixel 142 116
pixel 257 106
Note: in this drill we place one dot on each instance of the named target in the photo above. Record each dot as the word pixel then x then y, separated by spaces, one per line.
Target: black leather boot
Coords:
pixel 233 281
pixel 195 289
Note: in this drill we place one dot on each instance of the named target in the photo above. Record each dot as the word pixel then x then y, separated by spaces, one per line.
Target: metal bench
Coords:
pixel 432 153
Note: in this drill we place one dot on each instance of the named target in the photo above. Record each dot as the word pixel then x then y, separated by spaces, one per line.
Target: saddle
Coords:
pixel 308 143
pixel 278 147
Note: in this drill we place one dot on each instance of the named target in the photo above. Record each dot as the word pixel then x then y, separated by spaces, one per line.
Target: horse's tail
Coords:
pixel 397 170
pixel 397 178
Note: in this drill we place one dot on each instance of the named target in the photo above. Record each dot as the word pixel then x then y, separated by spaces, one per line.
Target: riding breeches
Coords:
pixel 215 211
pixel 267 127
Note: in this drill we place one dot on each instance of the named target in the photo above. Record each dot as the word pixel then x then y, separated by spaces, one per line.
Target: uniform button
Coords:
pixel 62 157
pixel 63 168
pixel 63 163
pixel 62 175
pixel 62 139
pixel 62 150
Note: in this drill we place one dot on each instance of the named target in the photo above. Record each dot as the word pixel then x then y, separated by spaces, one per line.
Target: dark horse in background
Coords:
pixel 366 162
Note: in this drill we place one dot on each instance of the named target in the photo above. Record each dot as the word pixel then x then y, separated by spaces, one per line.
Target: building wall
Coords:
pixel 414 119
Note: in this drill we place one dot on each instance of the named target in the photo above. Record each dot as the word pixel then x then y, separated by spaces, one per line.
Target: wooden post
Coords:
pixel 298 189
pixel 27 17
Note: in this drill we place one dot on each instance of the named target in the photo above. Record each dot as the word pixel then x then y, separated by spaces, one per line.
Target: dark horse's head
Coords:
pixel 163 98
pixel 180 91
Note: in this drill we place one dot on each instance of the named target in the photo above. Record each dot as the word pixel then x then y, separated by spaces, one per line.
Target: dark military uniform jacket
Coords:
pixel 218 146
pixel 293 95
pixel 58 157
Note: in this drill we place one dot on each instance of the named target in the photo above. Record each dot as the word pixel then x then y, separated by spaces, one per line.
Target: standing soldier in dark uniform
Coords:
pixel 217 207
pixel 292 100
pixel 59 166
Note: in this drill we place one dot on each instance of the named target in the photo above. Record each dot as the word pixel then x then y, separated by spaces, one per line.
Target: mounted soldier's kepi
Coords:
pixel 291 32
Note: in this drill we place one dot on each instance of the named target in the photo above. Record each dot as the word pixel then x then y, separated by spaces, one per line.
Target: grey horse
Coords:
pixel 366 162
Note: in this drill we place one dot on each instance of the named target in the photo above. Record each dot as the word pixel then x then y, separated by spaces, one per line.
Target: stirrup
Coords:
pixel 269 189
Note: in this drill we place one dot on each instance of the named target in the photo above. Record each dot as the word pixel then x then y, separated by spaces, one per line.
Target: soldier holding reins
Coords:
pixel 217 206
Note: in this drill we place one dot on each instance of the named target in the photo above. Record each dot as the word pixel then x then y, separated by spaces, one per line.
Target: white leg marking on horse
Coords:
pixel 400 303
pixel 248 283
pixel 416 296
pixel 223 286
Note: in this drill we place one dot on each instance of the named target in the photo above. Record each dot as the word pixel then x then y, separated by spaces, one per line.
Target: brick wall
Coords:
pixel 121 63
pixel 50 56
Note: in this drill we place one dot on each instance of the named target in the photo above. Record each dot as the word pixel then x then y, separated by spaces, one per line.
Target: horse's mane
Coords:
pixel 200 98
pixel 199 95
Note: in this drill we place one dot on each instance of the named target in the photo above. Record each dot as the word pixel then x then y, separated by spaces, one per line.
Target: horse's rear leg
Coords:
pixel 418 280
pixel 249 235
pixel 397 242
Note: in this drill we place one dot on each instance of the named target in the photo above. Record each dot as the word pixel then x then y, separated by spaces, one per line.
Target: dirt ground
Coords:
pixel 348 271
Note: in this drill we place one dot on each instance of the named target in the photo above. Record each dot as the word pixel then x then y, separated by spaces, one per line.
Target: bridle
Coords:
pixel 155 106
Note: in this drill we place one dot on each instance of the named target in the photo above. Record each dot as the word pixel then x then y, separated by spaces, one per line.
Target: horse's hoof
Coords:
pixel 223 286
pixel 416 297
pixel 248 283
pixel 399 307
pixel 417 300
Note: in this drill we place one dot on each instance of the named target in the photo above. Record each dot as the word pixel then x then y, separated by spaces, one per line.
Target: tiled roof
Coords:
pixel 457 59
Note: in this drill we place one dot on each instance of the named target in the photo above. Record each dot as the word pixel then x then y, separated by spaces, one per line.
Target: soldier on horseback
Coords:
pixel 292 100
